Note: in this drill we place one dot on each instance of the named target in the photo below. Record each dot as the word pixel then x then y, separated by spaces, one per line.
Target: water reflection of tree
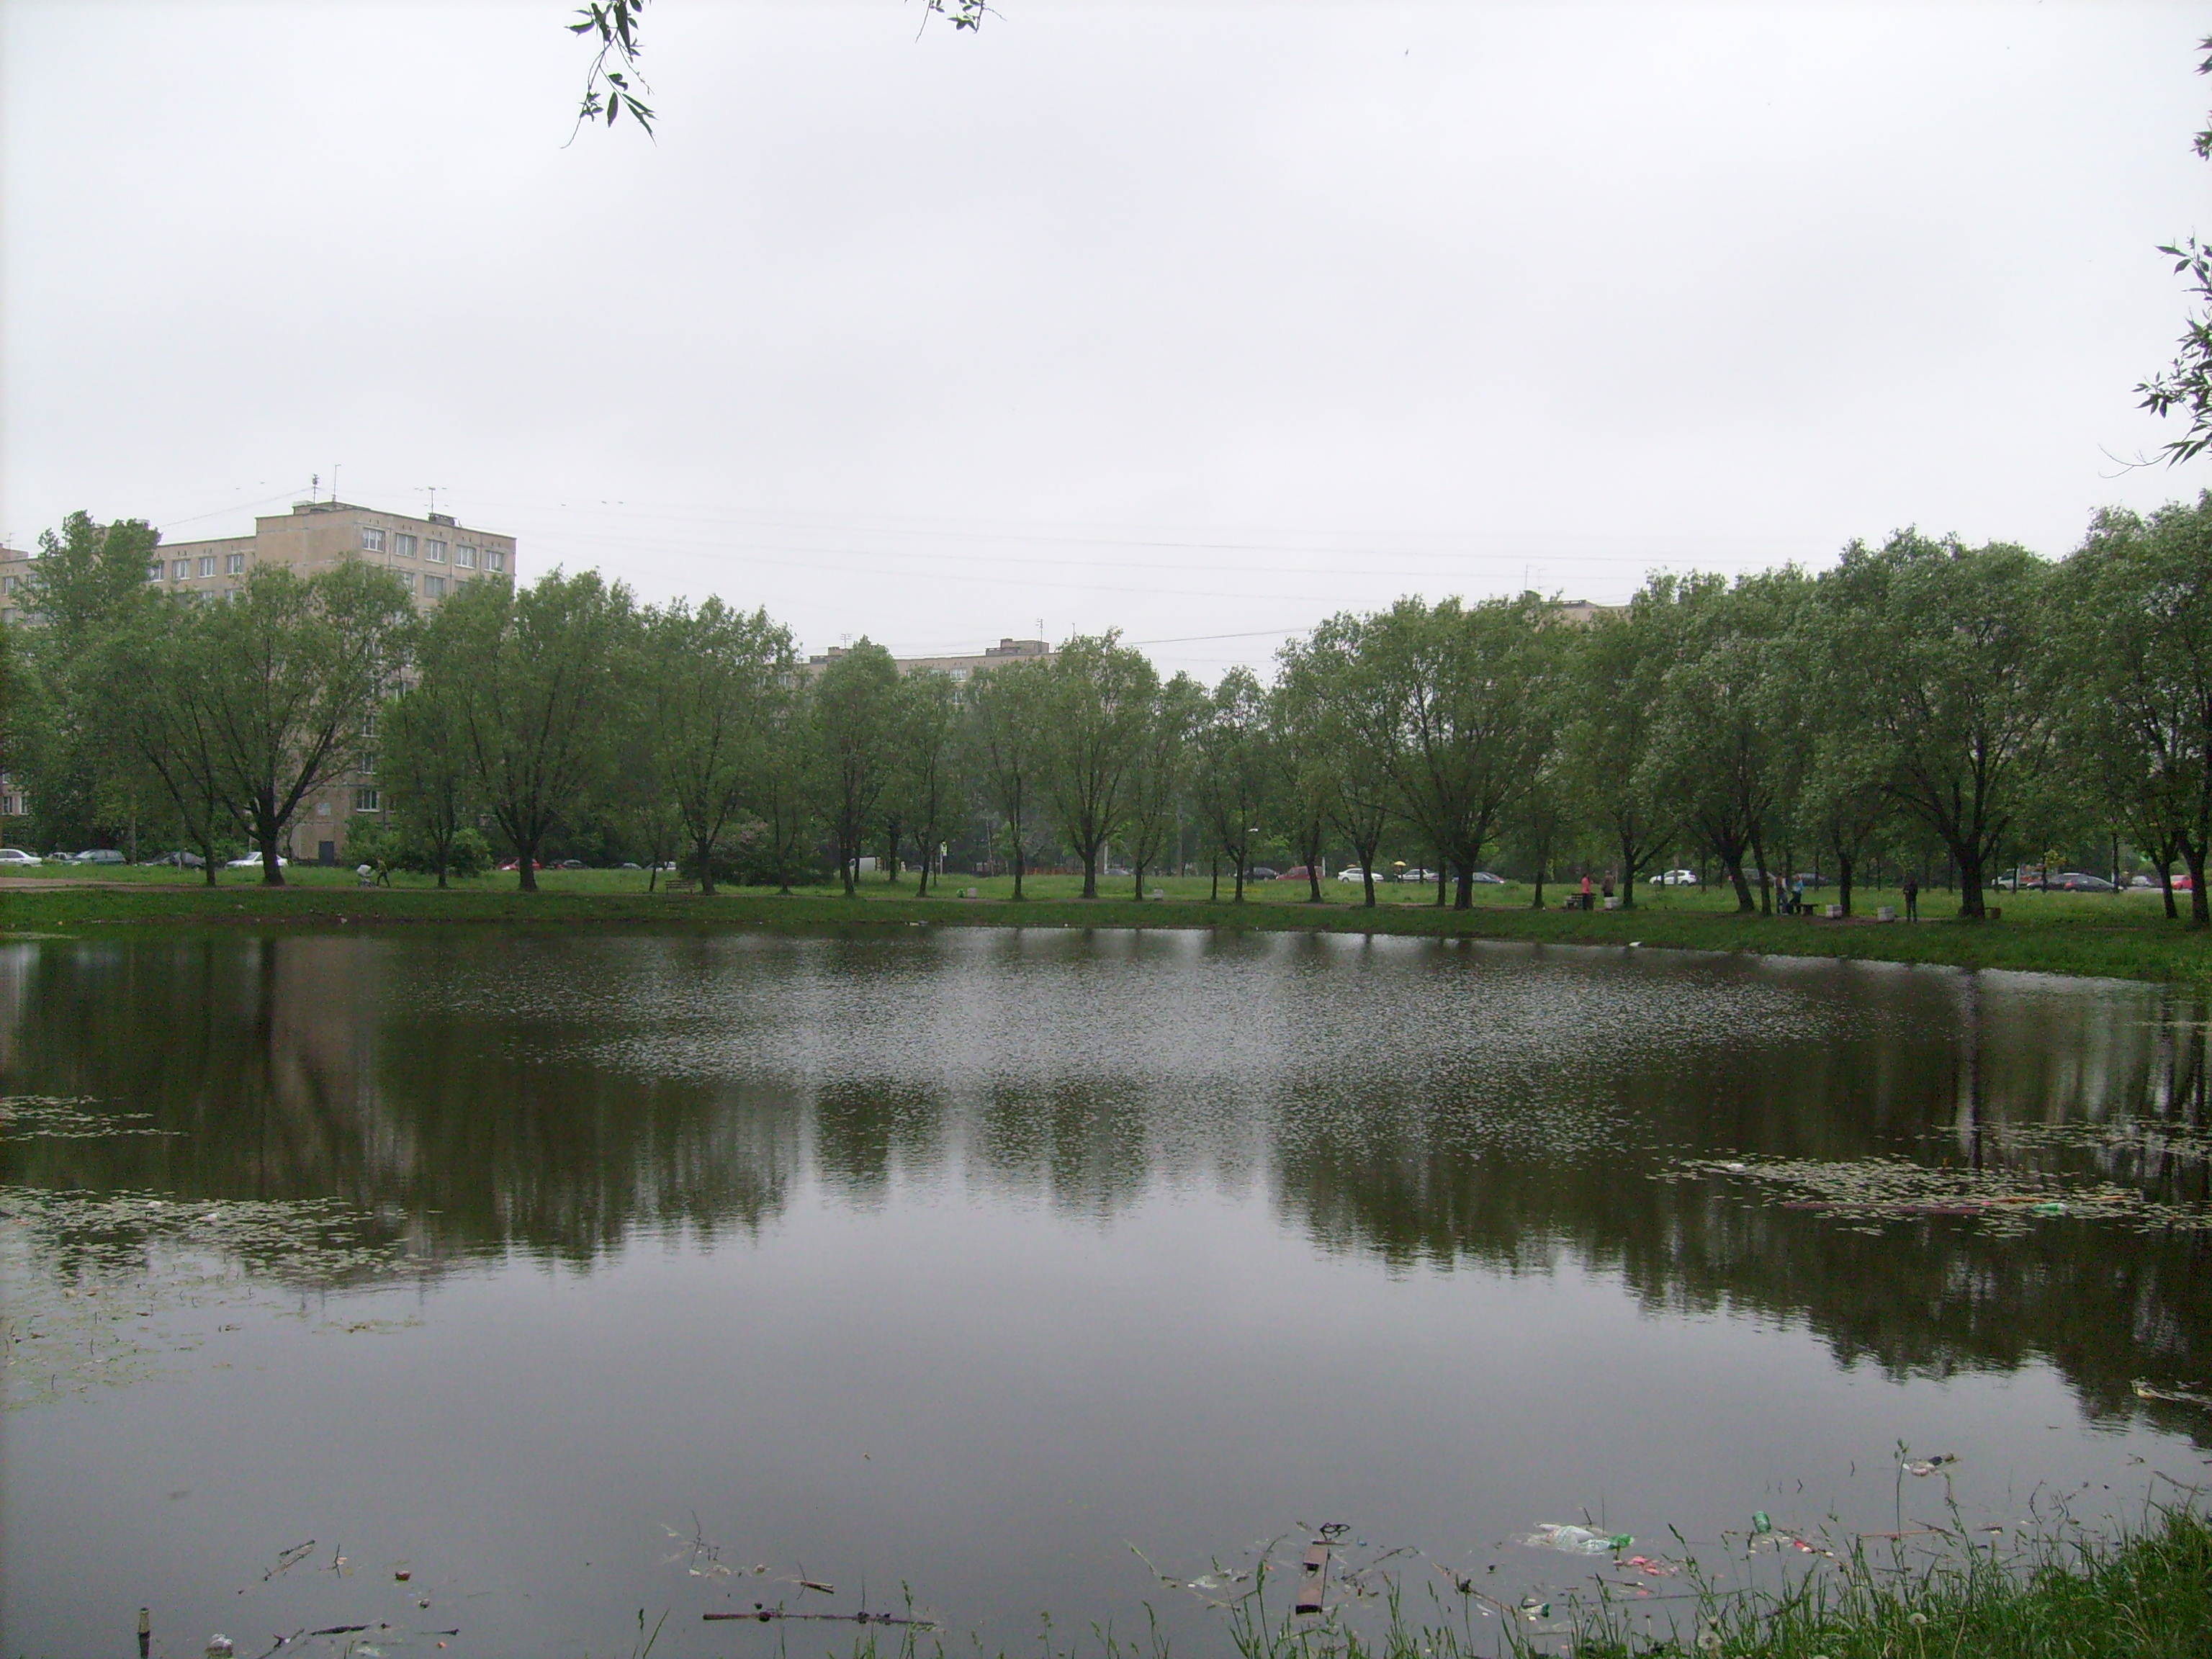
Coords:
pixel 413 1078
pixel 1404 1177
pixel 285 1074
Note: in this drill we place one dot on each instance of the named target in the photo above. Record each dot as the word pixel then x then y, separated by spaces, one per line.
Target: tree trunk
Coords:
pixel 1090 871
pixel 1214 897
pixel 2200 903
pixel 2166 886
pixel 1765 875
pixel 1463 890
pixel 1969 861
pixel 1443 876
pixel 1733 869
pixel 1843 884
pixel 703 851
pixel 1238 898
pixel 272 873
pixel 1628 868
pixel 1537 903
pixel 526 863
pixel 1018 865
pixel 1137 869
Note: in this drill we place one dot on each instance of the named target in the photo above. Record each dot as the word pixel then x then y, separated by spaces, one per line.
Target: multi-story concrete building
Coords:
pixel 433 555
pixel 959 668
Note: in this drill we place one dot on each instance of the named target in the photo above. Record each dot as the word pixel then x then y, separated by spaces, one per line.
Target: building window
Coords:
pixel 368 764
pixel 407 580
pixel 465 556
pixel 403 546
pixel 11 806
pixel 495 559
pixel 372 540
pixel 207 564
pixel 434 587
pixel 178 571
pixel 366 800
pixel 154 570
pixel 233 564
pixel 435 552
pixel 9 584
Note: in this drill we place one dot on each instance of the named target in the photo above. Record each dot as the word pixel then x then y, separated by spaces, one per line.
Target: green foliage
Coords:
pixel 1098 699
pixel 2135 646
pixel 66 745
pixel 2186 385
pixel 709 681
pixel 532 674
pixel 853 730
pixel 1004 737
pixel 1953 648
pixel 293 669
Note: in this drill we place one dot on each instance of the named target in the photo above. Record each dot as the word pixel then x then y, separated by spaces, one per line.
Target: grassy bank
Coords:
pixel 2123 936
pixel 2147 1597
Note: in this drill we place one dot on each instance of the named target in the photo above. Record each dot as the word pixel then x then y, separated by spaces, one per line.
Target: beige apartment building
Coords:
pixel 433 555
pixel 957 668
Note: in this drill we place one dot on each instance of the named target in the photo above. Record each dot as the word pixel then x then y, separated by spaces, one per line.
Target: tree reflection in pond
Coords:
pixel 1498 1108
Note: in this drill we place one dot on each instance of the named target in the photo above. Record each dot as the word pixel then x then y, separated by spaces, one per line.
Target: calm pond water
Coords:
pixel 575 1274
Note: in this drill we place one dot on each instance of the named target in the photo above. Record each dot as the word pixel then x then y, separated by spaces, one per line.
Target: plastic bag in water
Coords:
pixel 1576 1540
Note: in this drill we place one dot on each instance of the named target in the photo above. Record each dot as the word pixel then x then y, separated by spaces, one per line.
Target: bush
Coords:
pixel 371 840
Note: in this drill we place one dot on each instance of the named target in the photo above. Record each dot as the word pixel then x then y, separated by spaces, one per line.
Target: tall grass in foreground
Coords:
pixel 2146 1597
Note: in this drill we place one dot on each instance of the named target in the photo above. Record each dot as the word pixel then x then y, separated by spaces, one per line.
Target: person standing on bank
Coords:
pixel 1911 899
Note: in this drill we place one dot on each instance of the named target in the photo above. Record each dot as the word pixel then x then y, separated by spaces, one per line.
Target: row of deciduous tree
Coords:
pixel 1974 702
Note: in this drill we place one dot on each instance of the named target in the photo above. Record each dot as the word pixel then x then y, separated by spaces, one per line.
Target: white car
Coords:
pixel 1676 878
pixel 252 861
pixel 9 855
pixel 1357 876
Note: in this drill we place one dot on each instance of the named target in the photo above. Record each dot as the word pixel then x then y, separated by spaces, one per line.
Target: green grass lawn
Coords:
pixel 2124 935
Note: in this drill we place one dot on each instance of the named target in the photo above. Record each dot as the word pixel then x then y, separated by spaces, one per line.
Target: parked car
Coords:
pixel 1812 878
pixel 252 861
pixel 179 859
pixel 1260 872
pixel 511 866
pixel 629 866
pixel 2078 881
pixel 1484 878
pixel 11 855
pixel 570 864
pixel 1675 879
pixel 1301 873
pixel 1358 878
pixel 98 855
pixel 1417 874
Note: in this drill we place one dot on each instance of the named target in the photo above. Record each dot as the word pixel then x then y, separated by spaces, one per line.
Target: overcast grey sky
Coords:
pixel 1193 320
